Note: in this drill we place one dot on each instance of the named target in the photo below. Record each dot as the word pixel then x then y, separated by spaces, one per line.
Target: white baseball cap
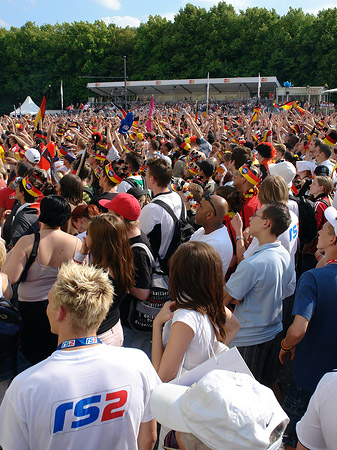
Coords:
pixel 331 216
pixel 305 165
pixel 33 155
pixel 225 410
pixel 284 169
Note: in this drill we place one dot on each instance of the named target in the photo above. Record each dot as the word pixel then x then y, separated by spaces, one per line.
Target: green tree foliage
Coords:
pixel 296 46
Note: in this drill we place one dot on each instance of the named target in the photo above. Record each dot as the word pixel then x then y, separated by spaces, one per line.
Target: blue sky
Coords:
pixel 126 12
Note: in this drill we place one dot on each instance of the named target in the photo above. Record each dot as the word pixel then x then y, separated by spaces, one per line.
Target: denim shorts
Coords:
pixel 295 405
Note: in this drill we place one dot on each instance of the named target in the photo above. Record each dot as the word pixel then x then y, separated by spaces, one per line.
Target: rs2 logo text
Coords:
pixel 95 409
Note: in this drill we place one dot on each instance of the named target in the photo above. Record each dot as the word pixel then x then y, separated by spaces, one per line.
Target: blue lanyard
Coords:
pixel 79 342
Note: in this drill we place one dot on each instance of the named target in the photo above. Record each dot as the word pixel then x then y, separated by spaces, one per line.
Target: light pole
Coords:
pixel 125 90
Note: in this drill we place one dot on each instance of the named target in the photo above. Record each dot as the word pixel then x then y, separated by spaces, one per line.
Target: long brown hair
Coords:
pixel 110 248
pixel 196 282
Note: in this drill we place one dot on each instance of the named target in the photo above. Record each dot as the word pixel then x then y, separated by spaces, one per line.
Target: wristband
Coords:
pixel 238 238
pixel 286 349
pixel 79 258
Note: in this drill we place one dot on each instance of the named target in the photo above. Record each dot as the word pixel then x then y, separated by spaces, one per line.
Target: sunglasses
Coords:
pixel 207 197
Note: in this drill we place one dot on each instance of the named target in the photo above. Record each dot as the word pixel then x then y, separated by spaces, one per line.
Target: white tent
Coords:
pixel 28 107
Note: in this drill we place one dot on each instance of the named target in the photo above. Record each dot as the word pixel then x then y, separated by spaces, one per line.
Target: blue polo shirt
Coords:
pixel 316 300
pixel 260 281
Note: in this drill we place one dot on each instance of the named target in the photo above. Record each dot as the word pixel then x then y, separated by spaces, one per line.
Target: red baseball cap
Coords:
pixel 123 204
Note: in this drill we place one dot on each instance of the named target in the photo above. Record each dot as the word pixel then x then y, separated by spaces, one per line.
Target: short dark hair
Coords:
pixel 134 160
pixel 23 168
pixel 293 139
pixel 232 195
pixel 279 216
pixel 324 148
pixel 154 144
pixel 178 140
pixel 249 145
pixel 160 170
pixel 71 188
pixel 54 211
pixel 169 145
pixel 240 155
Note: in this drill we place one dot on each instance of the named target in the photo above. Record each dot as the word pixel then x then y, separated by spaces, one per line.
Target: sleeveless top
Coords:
pixel 38 283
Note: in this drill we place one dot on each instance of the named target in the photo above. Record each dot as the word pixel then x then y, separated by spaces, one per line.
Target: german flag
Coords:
pixel 275 104
pixel 257 136
pixel 287 105
pixel 331 138
pixel 320 124
pixel 254 117
pixel 42 110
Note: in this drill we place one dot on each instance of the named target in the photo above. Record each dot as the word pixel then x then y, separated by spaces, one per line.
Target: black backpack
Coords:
pixel 307 219
pixel 183 231
pixel 10 329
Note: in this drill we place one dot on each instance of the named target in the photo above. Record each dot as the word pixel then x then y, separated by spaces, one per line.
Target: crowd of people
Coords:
pixel 174 232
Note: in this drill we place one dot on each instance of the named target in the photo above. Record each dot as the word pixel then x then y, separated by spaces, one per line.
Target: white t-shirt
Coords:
pixel 87 398
pixel 199 349
pixel 125 186
pixel 220 240
pixel 153 214
pixel 293 206
pixel 317 428
pixel 289 240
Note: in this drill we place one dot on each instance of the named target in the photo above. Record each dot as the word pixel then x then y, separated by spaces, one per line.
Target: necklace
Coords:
pixel 331 261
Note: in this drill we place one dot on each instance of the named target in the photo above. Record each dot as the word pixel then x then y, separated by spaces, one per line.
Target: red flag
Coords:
pixel 42 110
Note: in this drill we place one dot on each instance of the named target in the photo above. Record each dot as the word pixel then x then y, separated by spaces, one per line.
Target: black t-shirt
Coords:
pixel 113 314
pixel 20 224
pixel 103 196
pixel 143 273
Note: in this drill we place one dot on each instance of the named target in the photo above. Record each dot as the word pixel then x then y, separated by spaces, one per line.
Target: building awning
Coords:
pixel 188 87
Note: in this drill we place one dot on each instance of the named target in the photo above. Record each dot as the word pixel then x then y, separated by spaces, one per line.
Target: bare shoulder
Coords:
pixel 24 244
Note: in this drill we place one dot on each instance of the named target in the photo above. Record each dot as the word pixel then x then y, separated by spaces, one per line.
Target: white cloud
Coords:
pixel 318 9
pixel 4 24
pixel 110 4
pixel 169 16
pixel 122 21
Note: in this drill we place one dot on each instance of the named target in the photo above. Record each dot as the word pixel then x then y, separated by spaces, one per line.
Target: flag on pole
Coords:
pixel 61 91
pixel 287 105
pixel 256 111
pixel 148 123
pixel 82 161
pixel 196 111
pixel 207 93
pixel 259 87
pixel 42 110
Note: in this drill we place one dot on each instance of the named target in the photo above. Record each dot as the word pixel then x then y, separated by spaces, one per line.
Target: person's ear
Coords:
pixel 61 314
pixel 267 223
